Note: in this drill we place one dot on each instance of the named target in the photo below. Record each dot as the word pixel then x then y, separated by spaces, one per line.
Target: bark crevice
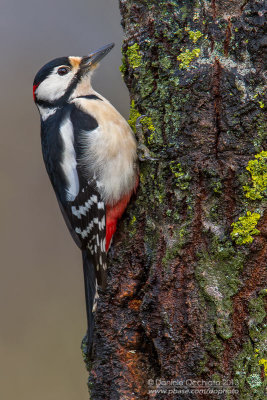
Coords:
pixel 184 300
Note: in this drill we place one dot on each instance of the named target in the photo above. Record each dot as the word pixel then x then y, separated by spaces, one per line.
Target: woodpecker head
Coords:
pixel 65 78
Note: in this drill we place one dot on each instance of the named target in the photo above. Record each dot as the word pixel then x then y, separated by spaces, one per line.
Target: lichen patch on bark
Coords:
pixel 184 300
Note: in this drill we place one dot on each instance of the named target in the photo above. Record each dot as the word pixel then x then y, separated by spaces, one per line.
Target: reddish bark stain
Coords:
pixel 135 305
pixel 213 6
pixel 256 280
pixel 216 84
pixel 228 35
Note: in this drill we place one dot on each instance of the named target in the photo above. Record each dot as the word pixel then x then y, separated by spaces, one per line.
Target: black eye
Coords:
pixel 62 71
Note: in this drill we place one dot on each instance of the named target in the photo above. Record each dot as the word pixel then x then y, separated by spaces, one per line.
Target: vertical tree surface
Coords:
pixel 186 295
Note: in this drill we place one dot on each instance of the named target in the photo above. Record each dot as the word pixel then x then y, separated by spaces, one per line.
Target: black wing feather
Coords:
pixel 85 216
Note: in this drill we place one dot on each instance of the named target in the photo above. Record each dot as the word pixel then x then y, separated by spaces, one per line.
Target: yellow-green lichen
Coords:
pixel 258 172
pixel 182 179
pixel 123 68
pixel 245 227
pixel 142 178
pixel 132 226
pixel 186 57
pixel 134 114
pixel 133 220
pixel 151 137
pixel 216 186
pixel 195 35
pixel 260 102
pixel 263 362
pixel 134 56
pixel 145 121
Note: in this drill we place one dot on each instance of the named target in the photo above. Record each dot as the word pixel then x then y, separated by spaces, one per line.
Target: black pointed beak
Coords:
pixel 94 58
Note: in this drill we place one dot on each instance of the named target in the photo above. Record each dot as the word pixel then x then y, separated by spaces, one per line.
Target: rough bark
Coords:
pixel 186 299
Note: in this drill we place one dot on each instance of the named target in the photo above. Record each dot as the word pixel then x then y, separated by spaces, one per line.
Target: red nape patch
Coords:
pixel 33 91
pixel 113 213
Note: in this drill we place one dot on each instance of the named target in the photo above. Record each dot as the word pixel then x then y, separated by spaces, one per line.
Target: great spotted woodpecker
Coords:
pixel 90 155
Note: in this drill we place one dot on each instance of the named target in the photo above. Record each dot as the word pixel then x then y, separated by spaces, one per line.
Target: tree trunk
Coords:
pixel 186 291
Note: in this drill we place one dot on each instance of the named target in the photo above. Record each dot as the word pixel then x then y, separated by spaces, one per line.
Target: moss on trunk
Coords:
pixel 185 301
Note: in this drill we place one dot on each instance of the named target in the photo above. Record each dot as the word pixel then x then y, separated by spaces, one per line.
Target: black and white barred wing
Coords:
pixel 87 217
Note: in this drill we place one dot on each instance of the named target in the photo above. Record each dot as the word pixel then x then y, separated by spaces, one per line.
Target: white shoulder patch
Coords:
pixel 69 162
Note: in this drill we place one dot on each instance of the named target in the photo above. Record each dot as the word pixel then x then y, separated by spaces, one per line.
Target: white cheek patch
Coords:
pixel 54 86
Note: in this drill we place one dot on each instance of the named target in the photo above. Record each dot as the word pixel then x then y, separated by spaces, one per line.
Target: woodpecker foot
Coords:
pixel 144 154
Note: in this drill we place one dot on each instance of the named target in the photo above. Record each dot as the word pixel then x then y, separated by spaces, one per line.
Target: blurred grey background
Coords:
pixel 42 311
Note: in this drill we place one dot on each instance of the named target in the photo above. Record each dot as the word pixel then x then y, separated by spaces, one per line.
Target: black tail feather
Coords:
pixel 90 294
